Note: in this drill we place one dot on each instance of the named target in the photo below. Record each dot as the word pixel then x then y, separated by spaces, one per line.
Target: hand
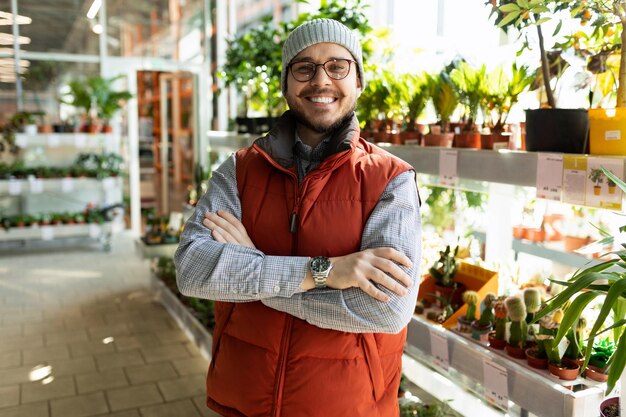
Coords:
pixel 226 228
pixel 379 265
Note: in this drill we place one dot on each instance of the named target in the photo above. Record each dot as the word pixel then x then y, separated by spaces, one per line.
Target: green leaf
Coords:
pixel 524 3
pixel 621 184
pixel 540 9
pixel 572 314
pixel 508 18
pixel 615 325
pixel 618 363
pixel 558 28
pixel 511 7
pixel 542 20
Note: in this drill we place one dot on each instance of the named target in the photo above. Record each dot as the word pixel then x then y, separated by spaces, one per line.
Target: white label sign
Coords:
pixel 15 187
pixel 21 141
pixel 53 141
pixel 448 167
pixel 108 183
pixel 94 230
pixel 67 185
pixel 496 384
pixel 439 349
pixel 47 233
pixel 549 176
pixel 80 140
pixel 36 185
pixel 574 179
pixel 612 135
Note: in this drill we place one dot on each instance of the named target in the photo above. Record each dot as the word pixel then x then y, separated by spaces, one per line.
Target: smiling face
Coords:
pixel 322 104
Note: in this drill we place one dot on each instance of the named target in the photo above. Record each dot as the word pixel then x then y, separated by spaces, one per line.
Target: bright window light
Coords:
pixel 94 9
pixel 97 28
pixel 6 19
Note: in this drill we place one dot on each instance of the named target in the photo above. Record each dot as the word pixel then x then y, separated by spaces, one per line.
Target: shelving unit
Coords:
pixel 41 196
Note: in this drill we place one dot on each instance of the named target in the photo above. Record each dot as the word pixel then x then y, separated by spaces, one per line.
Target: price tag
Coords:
pixel 439 349
pixel 36 185
pixel 94 230
pixel 549 176
pixel 601 192
pixel 496 384
pixel 53 141
pixel 21 141
pixel 80 140
pixel 562 347
pixel 574 179
pixel 448 167
pixel 15 187
pixel 47 233
pixel 67 185
pixel 108 183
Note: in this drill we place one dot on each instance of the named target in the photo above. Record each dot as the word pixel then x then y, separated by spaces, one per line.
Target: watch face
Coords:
pixel 320 264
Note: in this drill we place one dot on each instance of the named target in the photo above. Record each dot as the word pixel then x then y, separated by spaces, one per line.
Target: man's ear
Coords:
pixel 359 88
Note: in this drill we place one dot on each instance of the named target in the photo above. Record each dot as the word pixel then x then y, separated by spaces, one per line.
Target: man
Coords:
pixel 309 241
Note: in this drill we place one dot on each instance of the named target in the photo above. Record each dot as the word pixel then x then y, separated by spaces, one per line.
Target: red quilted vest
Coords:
pixel 270 364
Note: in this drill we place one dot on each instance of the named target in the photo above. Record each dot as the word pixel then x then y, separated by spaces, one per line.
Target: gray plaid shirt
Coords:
pixel 235 273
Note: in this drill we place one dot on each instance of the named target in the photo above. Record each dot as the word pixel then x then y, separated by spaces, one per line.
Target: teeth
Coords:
pixel 322 99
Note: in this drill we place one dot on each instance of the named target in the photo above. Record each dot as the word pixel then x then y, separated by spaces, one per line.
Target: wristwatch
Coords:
pixel 320 269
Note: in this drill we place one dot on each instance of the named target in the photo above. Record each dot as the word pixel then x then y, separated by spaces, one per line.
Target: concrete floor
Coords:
pixel 81 335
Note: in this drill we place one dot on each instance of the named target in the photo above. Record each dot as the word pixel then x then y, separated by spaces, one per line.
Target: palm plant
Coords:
pixel 606 279
pixel 444 98
pixel 471 87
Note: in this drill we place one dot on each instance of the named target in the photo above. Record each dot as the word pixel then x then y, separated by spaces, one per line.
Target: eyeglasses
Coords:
pixel 337 69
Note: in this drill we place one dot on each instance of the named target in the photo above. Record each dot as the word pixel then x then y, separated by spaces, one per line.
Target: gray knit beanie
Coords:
pixel 319 31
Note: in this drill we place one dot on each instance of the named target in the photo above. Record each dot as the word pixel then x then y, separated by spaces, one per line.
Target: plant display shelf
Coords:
pixel 155 251
pixel 59 185
pixel 88 141
pixel 36 235
pixel 194 330
pixel 532 391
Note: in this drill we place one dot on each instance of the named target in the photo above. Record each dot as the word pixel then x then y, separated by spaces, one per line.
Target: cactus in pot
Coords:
pixel 517 332
pixel 484 324
pixel 471 299
pixel 497 337
pixel 532 301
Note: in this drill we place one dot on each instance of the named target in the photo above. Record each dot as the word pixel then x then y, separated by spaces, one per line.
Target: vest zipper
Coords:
pixel 282 362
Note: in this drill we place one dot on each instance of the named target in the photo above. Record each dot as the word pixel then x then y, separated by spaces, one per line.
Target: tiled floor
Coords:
pixel 90 316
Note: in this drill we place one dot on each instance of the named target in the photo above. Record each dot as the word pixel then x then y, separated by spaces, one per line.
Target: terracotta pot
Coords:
pixel 107 129
pixel 381 136
pixel 487 141
pixel 455 295
pixel 520 232
pixel 613 403
pixel 596 374
pixel 534 361
pixel 536 234
pixel 45 128
pixel 410 137
pixel 443 140
pixel 467 140
pixel 574 242
pixel 516 352
pixel 566 372
pixel 495 343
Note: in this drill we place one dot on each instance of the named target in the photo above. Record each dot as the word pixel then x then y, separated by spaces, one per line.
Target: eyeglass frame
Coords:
pixel 323 65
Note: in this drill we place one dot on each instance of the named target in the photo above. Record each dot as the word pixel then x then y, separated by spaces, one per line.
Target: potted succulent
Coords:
pixel 537 356
pixel 484 324
pixel 465 322
pixel 443 272
pixel 600 360
pixel 444 99
pixel 516 345
pixel 532 301
pixel 497 338
pixel 548 128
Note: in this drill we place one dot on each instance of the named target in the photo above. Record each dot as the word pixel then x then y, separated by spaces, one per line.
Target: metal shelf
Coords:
pixel 534 391
pixel 59 184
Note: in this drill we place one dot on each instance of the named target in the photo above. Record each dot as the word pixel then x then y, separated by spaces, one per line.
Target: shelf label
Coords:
pixel 108 183
pixel 448 167
pixel 36 185
pixel 496 384
pixel 21 141
pixel 574 175
pixel 67 185
pixel 94 230
pixel 439 348
pixel 600 191
pixel 15 187
pixel 53 141
pixel 47 233
pixel 549 176
pixel 80 140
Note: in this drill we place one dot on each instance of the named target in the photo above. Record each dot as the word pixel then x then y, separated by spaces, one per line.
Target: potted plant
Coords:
pixel 599 361
pixel 537 356
pixel 516 345
pixel 471 89
pixel 465 322
pixel 597 177
pixel 444 98
pixel 443 272
pixel 484 324
pixel 607 279
pixel 415 107
pixel 548 128
pixel 532 301
pixel 497 338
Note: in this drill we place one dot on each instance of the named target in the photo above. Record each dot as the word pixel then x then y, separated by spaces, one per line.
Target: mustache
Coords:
pixel 319 91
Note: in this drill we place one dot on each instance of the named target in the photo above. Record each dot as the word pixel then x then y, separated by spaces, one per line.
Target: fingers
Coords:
pixel 371 290
pixel 393 255
pixel 226 228
pixel 393 273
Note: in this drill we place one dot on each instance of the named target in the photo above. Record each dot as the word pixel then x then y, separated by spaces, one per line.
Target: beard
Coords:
pixel 322 127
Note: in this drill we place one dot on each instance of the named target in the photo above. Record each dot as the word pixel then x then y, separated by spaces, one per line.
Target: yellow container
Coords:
pixel 607 134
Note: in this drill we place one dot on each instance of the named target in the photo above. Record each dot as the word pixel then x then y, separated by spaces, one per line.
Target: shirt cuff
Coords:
pixel 281 276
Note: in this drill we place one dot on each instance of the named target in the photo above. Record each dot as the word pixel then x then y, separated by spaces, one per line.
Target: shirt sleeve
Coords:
pixel 395 222
pixel 228 272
